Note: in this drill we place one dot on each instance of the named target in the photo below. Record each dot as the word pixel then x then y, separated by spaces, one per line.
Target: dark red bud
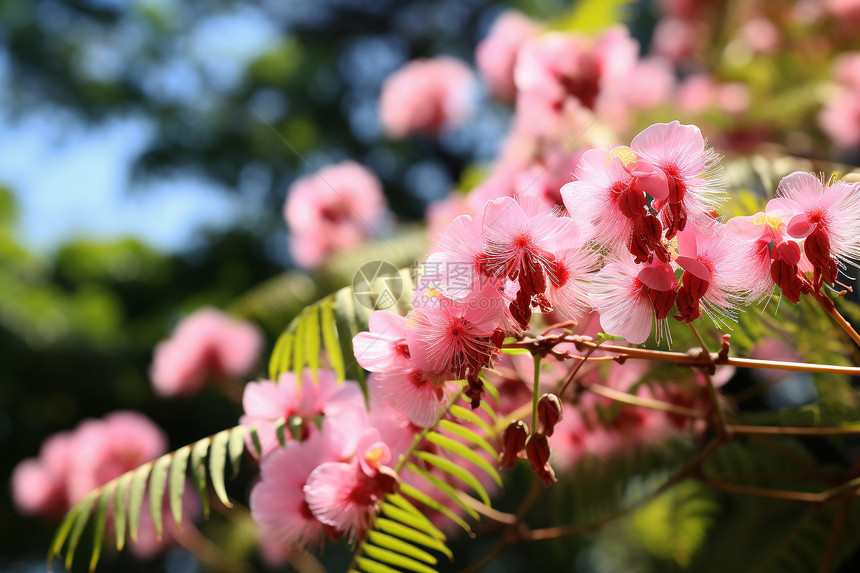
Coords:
pixel 513 441
pixel 537 452
pixel 549 413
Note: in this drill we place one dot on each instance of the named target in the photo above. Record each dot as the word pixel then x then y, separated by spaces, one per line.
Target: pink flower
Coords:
pixel 628 295
pixel 755 235
pixel 426 95
pixel 277 501
pixel 824 217
pixel 700 92
pixel 568 293
pixel 39 484
pixel 840 119
pixel 761 35
pixel 650 83
pixel 674 39
pixel 206 345
pixel 608 197
pixel 497 53
pixel 846 69
pixel 695 186
pixel 844 9
pixel 333 209
pixel 456 268
pixel 452 338
pixel 107 448
pixel 265 403
pixel 558 73
pixel 419 396
pixel 384 347
pixel 341 497
pixel 522 240
pixel 716 273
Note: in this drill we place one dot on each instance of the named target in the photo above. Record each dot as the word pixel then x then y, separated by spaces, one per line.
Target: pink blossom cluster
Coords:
pixel 840 117
pixel 425 96
pixel 328 480
pixel 71 464
pixel 333 209
pixel 640 241
pixel 206 346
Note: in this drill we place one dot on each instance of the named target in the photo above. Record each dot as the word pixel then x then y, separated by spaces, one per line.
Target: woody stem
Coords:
pixel 721 415
pixel 535 393
pixel 827 304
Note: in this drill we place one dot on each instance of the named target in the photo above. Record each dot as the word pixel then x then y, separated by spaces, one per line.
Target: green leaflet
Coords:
pixel 469 435
pixel 100 522
pixel 157 486
pixel 416 537
pixel 217 463
pixel 373 567
pixel 389 542
pixel 235 448
pixel 470 416
pixel 461 450
pixel 442 486
pixel 422 497
pixel 198 471
pixel 396 559
pixel 455 470
pixel 135 501
pixel 396 507
pixel 177 481
pixel 347 328
pixel 281 357
pixel 330 339
pixel 120 511
pixel 127 493
pixel 311 343
pixel 81 519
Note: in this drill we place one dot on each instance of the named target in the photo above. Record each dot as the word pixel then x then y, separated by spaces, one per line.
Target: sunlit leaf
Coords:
pixel 157 486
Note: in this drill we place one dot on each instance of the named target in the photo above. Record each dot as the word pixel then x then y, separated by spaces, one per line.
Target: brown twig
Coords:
pixel 694 359
pixel 649 403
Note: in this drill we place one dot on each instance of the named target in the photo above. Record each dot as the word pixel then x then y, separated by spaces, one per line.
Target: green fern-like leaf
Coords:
pixel 329 325
pixel 205 460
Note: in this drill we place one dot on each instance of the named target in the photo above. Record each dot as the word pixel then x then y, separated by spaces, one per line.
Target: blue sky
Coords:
pixel 72 179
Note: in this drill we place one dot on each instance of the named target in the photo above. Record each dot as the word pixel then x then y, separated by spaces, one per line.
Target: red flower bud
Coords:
pixel 537 451
pixel 513 441
pixel 549 413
